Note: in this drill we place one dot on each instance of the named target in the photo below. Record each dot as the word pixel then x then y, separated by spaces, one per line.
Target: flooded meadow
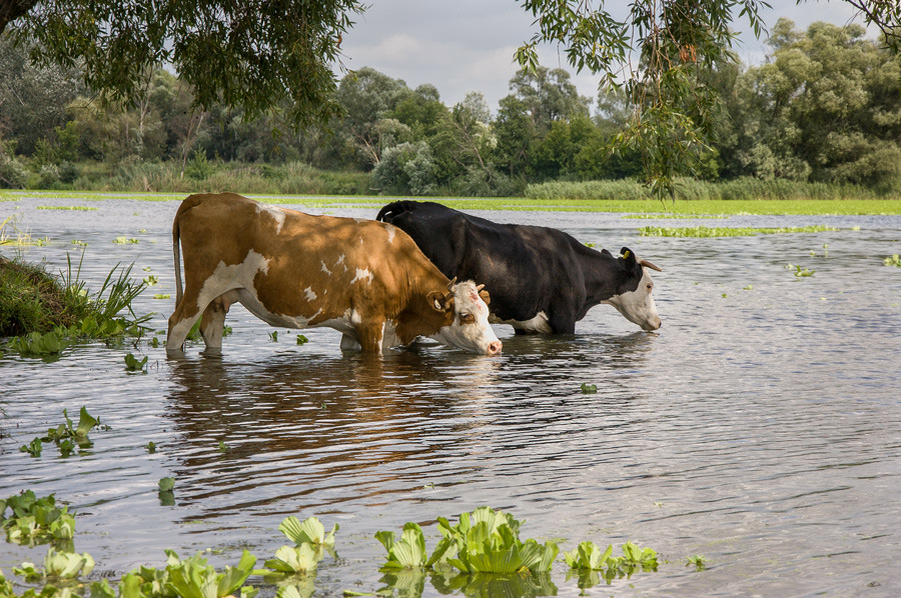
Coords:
pixel 760 426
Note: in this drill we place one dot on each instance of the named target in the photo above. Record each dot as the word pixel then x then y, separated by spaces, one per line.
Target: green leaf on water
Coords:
pixel 166 484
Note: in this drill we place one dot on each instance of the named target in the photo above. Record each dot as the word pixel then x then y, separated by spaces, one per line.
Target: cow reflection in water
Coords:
pixel 314 423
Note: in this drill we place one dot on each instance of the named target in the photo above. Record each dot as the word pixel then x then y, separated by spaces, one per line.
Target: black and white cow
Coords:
pixel 540 279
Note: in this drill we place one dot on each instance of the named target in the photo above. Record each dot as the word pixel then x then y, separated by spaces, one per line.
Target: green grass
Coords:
pixel 705 231
pixel 34 301
pixel 679 209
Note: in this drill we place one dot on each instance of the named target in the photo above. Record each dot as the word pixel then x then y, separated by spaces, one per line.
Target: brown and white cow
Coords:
pixel 366 279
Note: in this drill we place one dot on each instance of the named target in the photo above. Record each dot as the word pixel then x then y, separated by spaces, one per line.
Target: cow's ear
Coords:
pixel 440 301
pixel 485 296
pixel 629 258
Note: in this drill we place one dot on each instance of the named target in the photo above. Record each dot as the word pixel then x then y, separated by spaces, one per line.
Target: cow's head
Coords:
pixel 634 298
pixel 467 307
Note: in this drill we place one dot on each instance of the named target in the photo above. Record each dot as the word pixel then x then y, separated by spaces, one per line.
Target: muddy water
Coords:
pixel 760 427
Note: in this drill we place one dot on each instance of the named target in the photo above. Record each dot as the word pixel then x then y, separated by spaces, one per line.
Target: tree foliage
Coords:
pixel 253 56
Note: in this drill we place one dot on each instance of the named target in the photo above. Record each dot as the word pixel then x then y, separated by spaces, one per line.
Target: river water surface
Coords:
pixel 759 427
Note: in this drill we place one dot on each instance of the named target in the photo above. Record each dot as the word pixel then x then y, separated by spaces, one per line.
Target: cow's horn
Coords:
pixel 648 264
pixel 479 288
pixel 450 285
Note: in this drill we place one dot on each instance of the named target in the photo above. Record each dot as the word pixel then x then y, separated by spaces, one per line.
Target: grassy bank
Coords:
pixel 34 301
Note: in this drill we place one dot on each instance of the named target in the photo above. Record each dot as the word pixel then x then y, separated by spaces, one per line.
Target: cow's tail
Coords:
pixel 176 258
pixel 395 209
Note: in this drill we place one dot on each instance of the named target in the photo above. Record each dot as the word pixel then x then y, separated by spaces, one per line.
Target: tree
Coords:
pixel 825 107
pixel 256 56
pixel 658 55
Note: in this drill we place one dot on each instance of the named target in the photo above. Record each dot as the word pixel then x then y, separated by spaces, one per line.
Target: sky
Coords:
pixel 461 46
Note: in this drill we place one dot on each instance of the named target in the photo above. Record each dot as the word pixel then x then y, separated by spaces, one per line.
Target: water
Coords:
pixel 760 427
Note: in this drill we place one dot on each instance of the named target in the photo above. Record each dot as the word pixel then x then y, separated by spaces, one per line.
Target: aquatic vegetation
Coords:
pixel 133 364
pixel 58 566
pixel 893 260
pixel 78 243
pixel 705 231
pixel 484 541
pixel 166 484
pixel 71 208
pixel 122 240
pixel 302 340
pixel 161 296
pixel 194 578
pixel 698 561
pixel 674 216
pixel 273 336
pixel 35 520
pixel 310 531
pixel 310 544
pixel 407 552
pixel 151 447
pixel 151 280
pixel 35 344
pixel 799 272
pixel 589 389
pixel 65 436
pixel 590 563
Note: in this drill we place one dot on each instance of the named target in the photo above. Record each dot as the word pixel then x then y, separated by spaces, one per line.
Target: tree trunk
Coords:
pixel 10 10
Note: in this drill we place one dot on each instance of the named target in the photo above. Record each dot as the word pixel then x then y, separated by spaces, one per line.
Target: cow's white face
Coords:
pixel 638 305
pixel 470 330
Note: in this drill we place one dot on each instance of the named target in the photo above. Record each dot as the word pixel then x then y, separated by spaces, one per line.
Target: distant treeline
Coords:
pixel 821 118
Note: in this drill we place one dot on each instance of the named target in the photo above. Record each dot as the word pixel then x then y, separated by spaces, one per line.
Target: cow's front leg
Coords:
pixel 212 323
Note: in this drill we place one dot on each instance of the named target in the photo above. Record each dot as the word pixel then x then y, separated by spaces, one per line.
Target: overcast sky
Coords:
pixel 467 45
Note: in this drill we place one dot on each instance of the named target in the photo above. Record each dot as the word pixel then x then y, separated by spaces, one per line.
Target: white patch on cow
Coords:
pixel 362 274
pixel 392 231
pixel 227 278
pixel 477 336
pixel 389 335
pixel 325 269
pixel 276 213
pixel 341 260
pixel 537 324
pixel 638 306
pixel 309 294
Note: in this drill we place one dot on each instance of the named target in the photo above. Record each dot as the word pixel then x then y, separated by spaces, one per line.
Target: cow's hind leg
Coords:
pixel 212 323
pixel 180 323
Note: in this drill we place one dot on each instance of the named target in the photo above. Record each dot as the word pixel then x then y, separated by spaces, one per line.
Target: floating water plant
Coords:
pixel 273 336
pixel 302 340
pixel 310 531
pixel 122 240
pixel 589 389
pixel 35 520
pixel 801 273
pixel 407 552
pixel 133 364
pixel 151 280
pixel 194 578
pixel 166 484
pixel 590 563
pixel 698 561
pixel 58 566
pixel 161 296
pixel 487 541
pixel 35 344
pixel 893 260
pixel 151 447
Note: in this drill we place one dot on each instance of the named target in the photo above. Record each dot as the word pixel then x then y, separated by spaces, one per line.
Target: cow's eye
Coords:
pixel 650 286
pixel 467 318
